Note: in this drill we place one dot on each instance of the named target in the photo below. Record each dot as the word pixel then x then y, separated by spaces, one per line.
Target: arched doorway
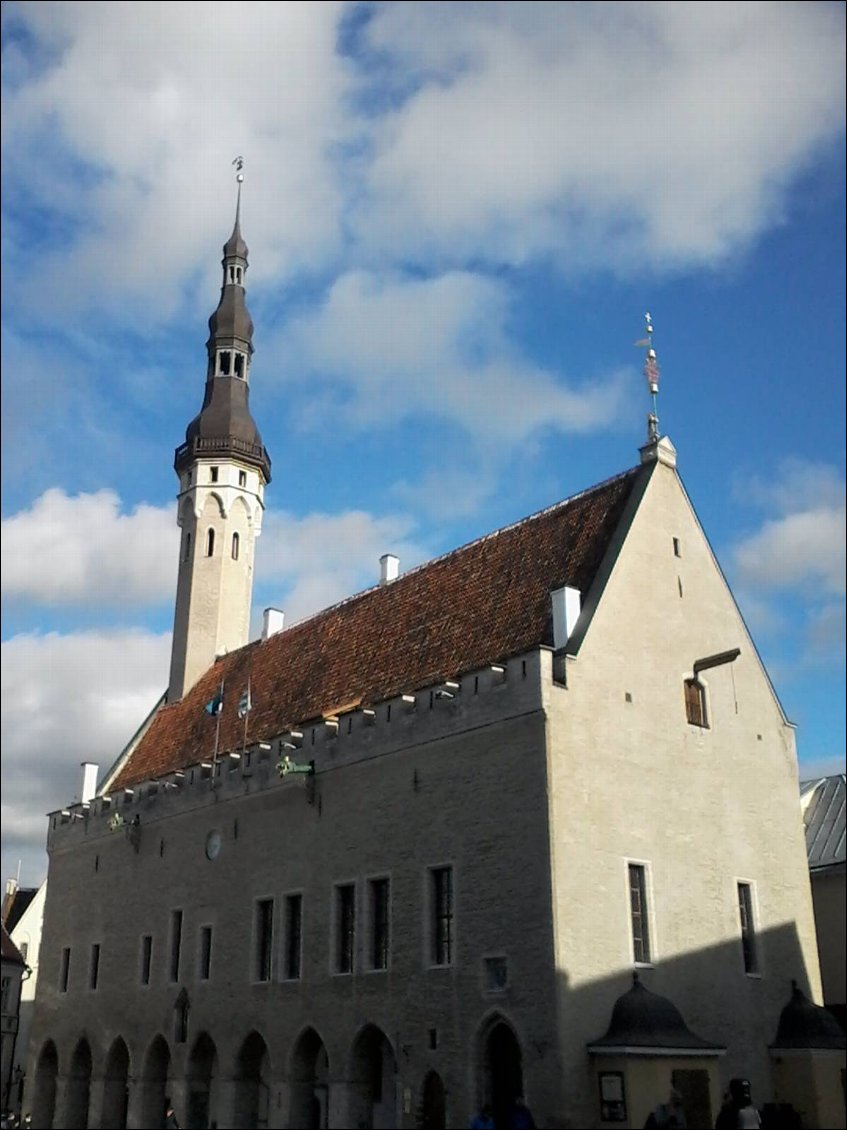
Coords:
pixel 115 1093
pixel 433 1104
pixel 309 1077
pixel 252 1084
pixel 502 1069
pixel 201 1080
pixel 154 1080
pixel 43 1092
pixel 373 1081
pixel 78 1088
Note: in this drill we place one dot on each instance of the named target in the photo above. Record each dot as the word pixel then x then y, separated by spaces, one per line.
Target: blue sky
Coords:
pixel 457 216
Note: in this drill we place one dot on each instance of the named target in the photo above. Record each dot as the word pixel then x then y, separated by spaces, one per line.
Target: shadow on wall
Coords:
pixel 692 1022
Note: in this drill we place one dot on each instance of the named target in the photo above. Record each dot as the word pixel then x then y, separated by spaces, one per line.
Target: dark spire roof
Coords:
pixel 235 247
pixel 644 1021
pixel 805 1025
pixel 224 427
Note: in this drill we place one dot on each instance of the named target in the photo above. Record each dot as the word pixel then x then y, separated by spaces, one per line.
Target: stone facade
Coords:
pixel 535 783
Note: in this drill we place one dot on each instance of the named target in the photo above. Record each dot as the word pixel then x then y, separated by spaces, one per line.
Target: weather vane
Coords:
pixel 651 372
pixel 239 165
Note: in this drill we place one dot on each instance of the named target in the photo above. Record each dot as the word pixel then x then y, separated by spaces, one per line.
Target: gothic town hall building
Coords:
pixel 520 821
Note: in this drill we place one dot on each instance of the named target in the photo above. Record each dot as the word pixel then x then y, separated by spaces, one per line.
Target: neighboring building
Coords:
pixel 405 856
pixel 823 804
pixel 25 931
pixel 13 971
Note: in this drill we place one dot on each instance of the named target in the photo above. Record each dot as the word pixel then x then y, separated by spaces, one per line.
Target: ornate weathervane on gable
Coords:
pixel 651 373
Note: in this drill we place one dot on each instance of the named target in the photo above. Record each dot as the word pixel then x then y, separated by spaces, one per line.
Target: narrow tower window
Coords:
pixel 213 474
pixel 239 364
pixel 638 913
pixel 210 543
pixel 441 916
pixel 242 478
pixel 263 939
pixel 225 363
pixel 187 553
pixel 235 544
pixel 749 946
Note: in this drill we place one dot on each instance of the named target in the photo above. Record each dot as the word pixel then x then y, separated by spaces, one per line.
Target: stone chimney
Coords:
pixel 88 782
pixel 389 568
pixel 567 603
pixel 273 621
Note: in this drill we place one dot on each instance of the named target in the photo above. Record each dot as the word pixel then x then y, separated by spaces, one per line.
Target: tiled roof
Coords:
pixel 484 602
pixel 10 951
pixel 824 816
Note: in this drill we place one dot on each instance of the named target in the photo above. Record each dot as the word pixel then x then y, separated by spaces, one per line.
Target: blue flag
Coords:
pixel 216 705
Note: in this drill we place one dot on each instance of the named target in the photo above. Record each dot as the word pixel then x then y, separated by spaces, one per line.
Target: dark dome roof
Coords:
pixel 641 1019
pixel 224 427
pixel 803 1024
pixel 232 318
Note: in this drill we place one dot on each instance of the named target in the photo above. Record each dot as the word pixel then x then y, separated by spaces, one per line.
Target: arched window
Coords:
pixel 210 542
pixel 235 546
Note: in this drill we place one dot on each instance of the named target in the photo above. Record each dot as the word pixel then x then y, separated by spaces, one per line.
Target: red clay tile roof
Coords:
pixel 10 951
pixel 461 612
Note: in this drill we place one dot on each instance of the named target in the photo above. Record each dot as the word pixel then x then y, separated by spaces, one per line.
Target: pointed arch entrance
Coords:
pixel 309 1076
pixel 500 1068
pixel 154 1081
pixel 115 1090
pixel 44 1088
pixel 433 1103
pixel 373 1081
pixel 78 1089
pixel 201 1083
pixel 252 1084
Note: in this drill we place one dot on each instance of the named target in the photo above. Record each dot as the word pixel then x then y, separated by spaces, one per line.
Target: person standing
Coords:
pixel 170 1118
pixel 739 1113
pixel 482 1121
pixel 669 1115
pixel 521 1116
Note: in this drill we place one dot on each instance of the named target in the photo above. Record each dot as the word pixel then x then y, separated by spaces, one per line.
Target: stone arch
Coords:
pixel 499 1067
pixel 115 1088
pixel 213 506
pixel 154 1081
pixel 201 1083
pixel 433 1102
pixel 78 1088
pixel 373 1081
pixel 252 1083
pixel 43 1090
pixel 308 1073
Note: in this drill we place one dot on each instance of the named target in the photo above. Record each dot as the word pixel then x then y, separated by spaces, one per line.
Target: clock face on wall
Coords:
pixel 213 845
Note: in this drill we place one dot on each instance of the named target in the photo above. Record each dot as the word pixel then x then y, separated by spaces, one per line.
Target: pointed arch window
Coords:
pixel 235 546
pixel 210 542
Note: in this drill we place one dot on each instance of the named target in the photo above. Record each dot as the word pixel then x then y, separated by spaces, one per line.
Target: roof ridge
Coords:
pixel 552 508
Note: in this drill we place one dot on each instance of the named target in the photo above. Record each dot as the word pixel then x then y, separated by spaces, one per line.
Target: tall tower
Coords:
pixel 223 468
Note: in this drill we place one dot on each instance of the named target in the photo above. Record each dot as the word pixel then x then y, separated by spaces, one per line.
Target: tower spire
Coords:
pixel 223 469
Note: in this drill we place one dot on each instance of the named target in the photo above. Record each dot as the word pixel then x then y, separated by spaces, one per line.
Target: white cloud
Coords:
pixel 82 550
pixel 401 347
pixel 67 699
pixel 126 130
pixel 306 564
pixel 660 133
pixel 804 544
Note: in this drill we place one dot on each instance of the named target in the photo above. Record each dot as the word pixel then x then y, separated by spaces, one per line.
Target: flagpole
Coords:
pixel 218 728
pixel 247 715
